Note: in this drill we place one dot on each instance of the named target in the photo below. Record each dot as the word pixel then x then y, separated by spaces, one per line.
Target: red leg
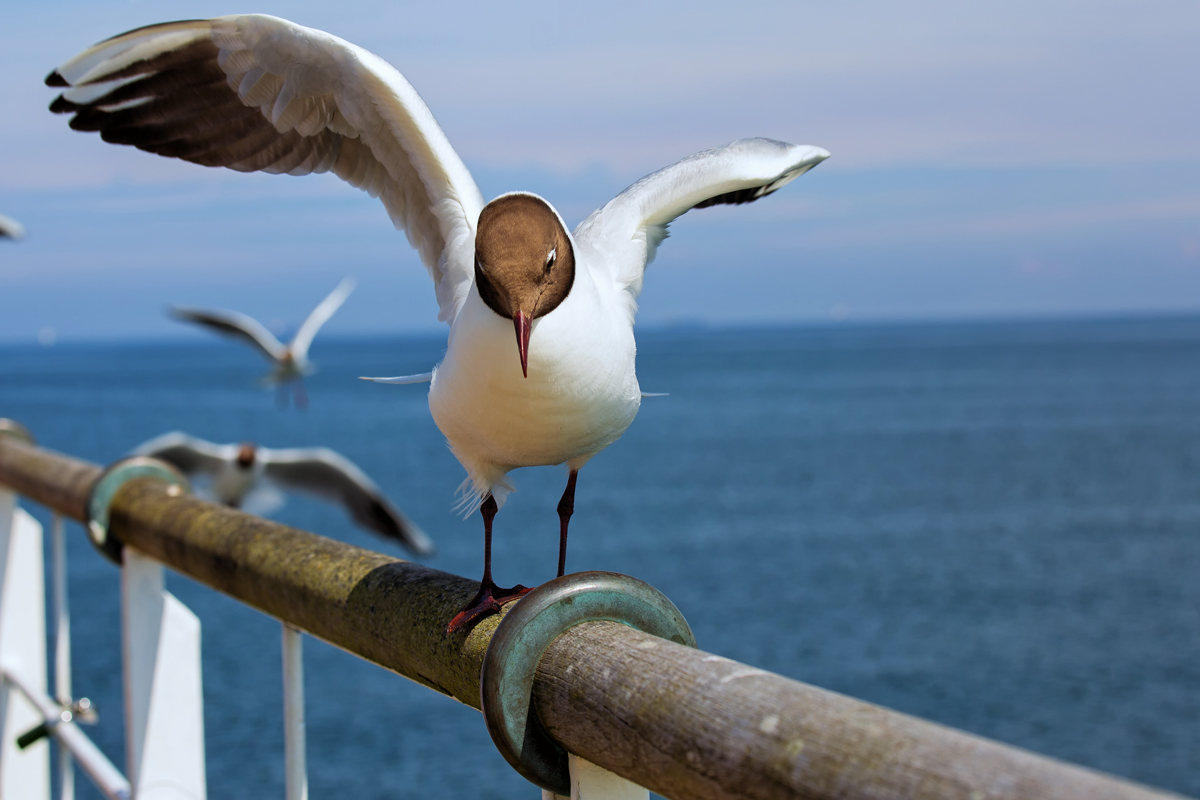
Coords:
pixel 490 597
pixel 566 507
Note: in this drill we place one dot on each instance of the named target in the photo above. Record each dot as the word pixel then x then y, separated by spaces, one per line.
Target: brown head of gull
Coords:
pixel 245 455
pixel 524 262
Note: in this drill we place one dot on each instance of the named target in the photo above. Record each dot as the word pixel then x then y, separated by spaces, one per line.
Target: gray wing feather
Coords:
pixel 238 326
pixel 259 93
pixel 190 454
pixel 323 472
pixel 629 229
pixel 319 316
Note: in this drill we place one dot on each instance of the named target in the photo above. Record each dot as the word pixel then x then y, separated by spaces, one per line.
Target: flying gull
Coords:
pixel 233 474
pixel 10 228
pixel 539 366
pixel 290 362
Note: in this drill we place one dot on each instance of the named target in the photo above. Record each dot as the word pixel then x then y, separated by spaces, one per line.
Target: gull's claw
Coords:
pixel 488 600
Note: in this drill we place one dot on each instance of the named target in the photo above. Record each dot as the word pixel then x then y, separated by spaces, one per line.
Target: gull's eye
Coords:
pixel 550 259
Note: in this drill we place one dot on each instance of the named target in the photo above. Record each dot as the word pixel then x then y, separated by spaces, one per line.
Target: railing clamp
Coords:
pixel 506 680
pixel 80 710
pixel 117 475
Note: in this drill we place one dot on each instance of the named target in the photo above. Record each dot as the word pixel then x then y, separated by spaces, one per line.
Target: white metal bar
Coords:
pixel 164 703
pixel 296 771
pixel 62 615
pixel 62 648
pixel 589 782
pixel 106 777
pixel 24 773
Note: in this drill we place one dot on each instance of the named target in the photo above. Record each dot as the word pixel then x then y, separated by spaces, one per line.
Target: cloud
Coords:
pixel 640 85
pixel 952 226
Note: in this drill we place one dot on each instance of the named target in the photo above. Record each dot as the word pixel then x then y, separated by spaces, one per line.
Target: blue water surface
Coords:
pixel 990 525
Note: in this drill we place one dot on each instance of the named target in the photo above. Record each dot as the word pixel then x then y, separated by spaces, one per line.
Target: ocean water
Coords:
pixel 994 525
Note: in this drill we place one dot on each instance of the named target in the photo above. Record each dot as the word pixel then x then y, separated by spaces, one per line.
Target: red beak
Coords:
pixel 523 324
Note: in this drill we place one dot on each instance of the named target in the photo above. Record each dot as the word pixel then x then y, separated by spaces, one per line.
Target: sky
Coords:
pixel 989 160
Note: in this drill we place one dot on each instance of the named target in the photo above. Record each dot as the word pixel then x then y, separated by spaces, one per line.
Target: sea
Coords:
pixel 992 525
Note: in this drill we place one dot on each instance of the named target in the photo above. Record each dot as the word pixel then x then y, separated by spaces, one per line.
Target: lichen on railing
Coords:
pixel 681 722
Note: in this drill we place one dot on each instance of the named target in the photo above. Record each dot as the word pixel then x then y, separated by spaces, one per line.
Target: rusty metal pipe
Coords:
pixel 380 608
pixel 684 723
pixel 688 724
pixel 58 482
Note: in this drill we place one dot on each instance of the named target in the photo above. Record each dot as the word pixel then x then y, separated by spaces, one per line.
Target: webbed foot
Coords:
pixel 489 600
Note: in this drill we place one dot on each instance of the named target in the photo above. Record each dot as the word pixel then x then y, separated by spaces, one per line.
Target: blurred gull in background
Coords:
pixel 10 228
pixel 291 361
pixel 245 476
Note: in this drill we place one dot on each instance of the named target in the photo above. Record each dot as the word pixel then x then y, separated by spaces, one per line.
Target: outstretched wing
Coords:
pixel 319 316
pixel 628 230
pixel 231 323
pixel 321 471
pixel 190 454
pixel 254 92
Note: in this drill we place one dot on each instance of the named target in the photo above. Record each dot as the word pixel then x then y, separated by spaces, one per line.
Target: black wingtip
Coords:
pixel 56 80
pixel 62 105
pixel 410 537
pixel 736 198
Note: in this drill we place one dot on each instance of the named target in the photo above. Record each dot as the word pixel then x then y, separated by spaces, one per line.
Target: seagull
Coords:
pixel 291 362
pixel 10 228
pixel 234 472
pixel 539 366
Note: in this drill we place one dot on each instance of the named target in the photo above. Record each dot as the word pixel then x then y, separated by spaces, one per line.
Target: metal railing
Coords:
pixel 686 724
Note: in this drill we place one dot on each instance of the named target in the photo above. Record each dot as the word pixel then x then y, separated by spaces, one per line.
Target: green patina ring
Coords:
pixel 116 476
pixel 10 427
pixel 506 680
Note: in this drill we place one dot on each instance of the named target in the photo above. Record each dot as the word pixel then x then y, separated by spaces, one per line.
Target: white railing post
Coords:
pixel 23 773
pixel 295 769
pixel 164 706
pixel 589 782
pixel 62 650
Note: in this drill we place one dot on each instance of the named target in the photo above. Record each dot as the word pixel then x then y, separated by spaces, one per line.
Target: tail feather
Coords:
pixel 473 491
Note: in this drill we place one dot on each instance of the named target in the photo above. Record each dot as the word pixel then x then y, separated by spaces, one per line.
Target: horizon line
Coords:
pixel 682 325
